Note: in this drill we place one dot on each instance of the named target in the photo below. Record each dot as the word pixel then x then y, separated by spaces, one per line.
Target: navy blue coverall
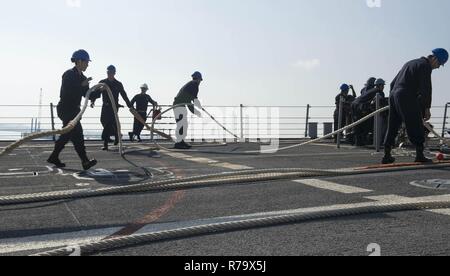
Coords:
pixel 68 108
pixel 411 94
pixel 361 107
pixel 108 119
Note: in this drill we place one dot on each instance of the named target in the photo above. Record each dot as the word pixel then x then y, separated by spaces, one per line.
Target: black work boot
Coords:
pixel 89 164
pixel 388 159
pixel 105 146
pixel 54 157
pixel 179 146
pixel 131 135
pixel 188 146
pixel 182 145
pixel 420 156
pixel 55 161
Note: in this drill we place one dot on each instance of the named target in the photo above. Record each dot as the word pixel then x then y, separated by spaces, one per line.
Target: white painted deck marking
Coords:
pixel 206 161
pixel 54 240
pixel 82 184
pixel 331 186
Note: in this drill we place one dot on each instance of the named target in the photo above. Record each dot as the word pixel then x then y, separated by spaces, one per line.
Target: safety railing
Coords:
pixel 247 122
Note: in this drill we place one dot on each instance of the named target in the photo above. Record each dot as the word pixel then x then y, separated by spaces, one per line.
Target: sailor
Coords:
pixel 187 95
pixel 346 110
pixel 410 102
pixel 142 100
pixel 370 84
pixel 74 87
pixel 108 118
pixel 361 107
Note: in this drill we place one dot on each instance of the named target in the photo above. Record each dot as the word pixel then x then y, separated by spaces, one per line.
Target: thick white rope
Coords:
pixel 245 176
pixel 245 224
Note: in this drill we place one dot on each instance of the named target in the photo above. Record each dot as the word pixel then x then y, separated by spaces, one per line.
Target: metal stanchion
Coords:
pixel 341 113
pixel 242 122
pixel 307 120
pixel 377 126
pixel 444 125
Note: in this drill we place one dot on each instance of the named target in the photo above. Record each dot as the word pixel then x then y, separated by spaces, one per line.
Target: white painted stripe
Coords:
pixel 206 161
pixel 231 166
pixel 82 184
pixel 326 185
pixel 54 240
pixel 21 172
pixel 176 154
pixel 395 198
pixel 202 160
pixel 333 146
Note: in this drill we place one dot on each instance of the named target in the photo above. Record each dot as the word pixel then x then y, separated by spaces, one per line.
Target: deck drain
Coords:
pixel 435 184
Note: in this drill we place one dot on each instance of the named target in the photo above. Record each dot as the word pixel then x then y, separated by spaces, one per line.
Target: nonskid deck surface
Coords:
pixel 38 227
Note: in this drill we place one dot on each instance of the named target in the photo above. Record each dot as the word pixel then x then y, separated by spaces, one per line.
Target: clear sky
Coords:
pixel 254 52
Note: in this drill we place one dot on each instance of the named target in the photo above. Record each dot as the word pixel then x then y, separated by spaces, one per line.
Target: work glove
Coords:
pixel 199 107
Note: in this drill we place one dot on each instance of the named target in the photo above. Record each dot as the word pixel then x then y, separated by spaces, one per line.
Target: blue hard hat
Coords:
pixel 345 87
pixel 442 55
pixel 380 82
pixel 80 55
pixel 111 68
pixel 197 76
